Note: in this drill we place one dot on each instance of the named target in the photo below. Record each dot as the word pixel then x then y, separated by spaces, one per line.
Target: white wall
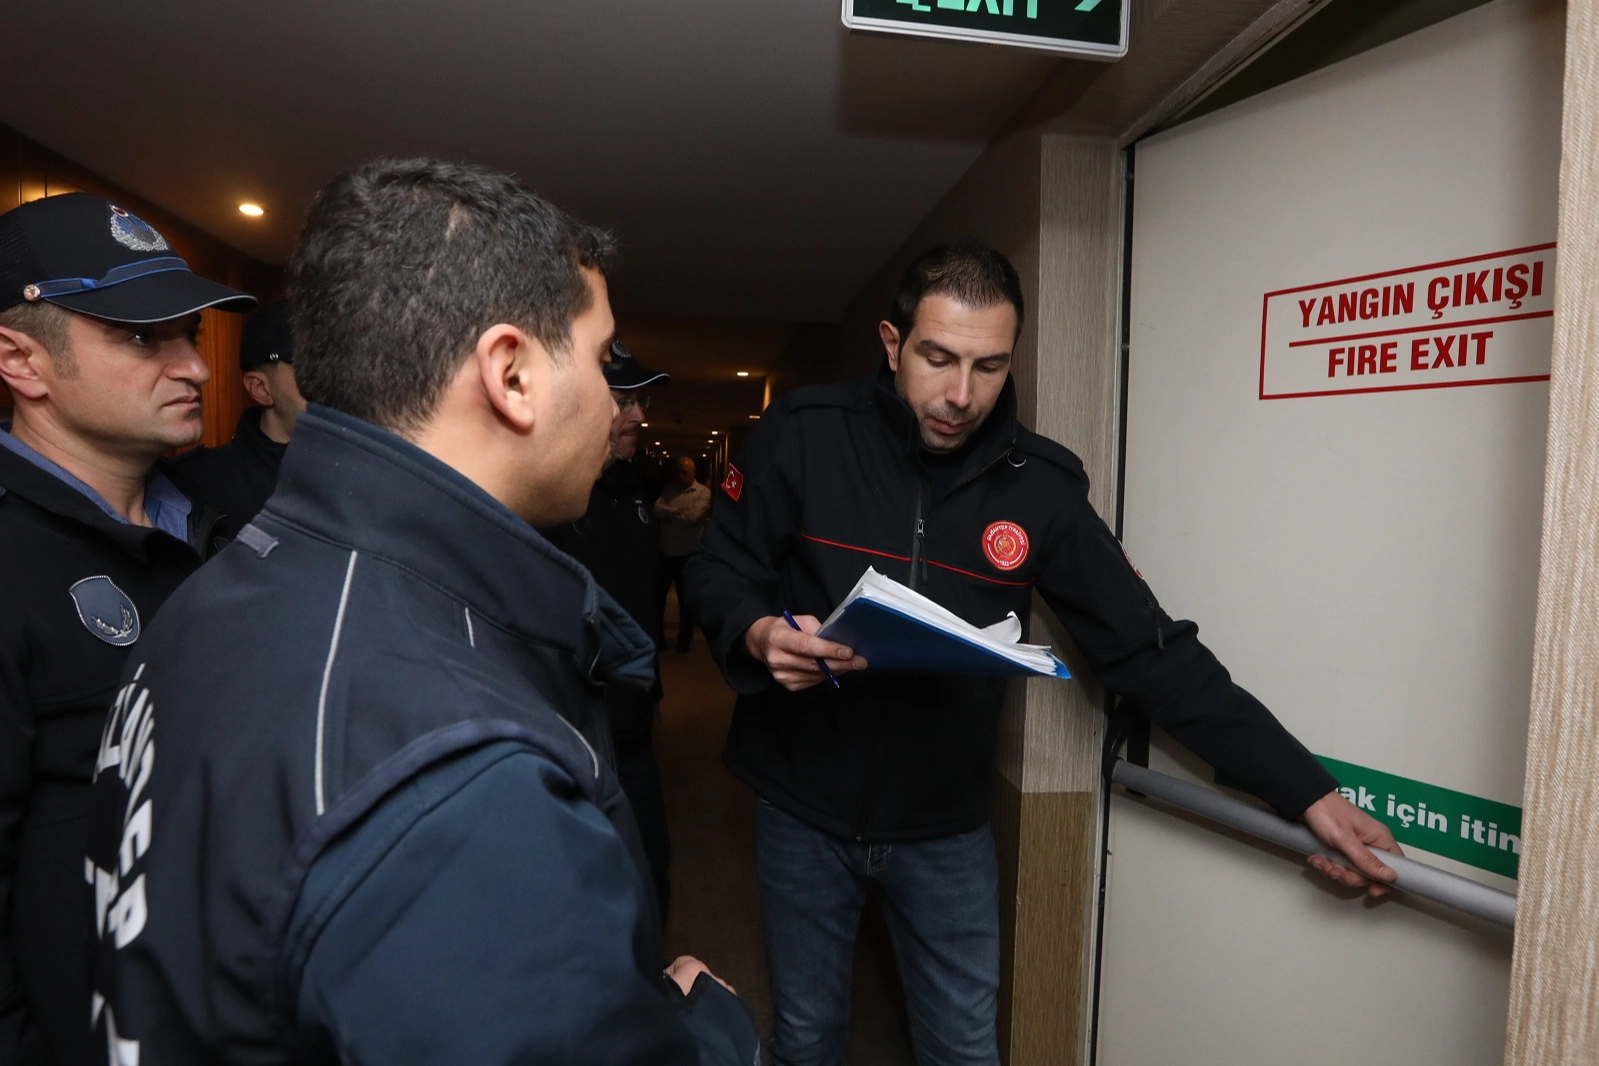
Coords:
pixel 1364 563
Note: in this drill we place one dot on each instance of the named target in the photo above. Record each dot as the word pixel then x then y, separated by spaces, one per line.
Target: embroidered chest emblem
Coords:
pixel 733 484
pixel 135 233
pixel 1005 544
pixel 106 611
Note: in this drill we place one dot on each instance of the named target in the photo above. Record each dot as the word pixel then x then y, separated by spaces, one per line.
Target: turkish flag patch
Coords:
pixel 733 483
pixel 1005 544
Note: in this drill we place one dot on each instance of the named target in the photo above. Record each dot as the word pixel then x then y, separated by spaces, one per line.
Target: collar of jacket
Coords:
pixel 49 493
pixel 253 441
pixel 354 484
pixel 995 437
pixel 620 477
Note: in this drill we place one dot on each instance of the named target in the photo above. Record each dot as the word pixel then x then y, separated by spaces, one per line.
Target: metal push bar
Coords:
pixel 1416 878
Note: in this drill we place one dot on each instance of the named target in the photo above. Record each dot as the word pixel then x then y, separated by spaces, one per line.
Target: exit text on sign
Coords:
pixel 1095 28
pixel 1482 320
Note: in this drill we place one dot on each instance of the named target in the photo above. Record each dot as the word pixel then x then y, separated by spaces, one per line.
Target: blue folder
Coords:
pixel 891 640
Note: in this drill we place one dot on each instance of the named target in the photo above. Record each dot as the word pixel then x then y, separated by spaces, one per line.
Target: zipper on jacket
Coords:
pixel 917 562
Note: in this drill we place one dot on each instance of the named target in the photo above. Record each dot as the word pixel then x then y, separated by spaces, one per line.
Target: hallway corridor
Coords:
pixel 715 905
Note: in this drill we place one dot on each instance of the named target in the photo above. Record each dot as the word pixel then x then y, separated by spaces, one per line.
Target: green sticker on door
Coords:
pixel 1478 832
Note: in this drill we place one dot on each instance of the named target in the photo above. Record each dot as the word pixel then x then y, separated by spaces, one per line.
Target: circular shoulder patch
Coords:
pixel 135 233
pixel 105 610
pixel 1005 544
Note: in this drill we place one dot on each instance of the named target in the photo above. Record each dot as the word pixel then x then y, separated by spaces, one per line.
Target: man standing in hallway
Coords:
pixel 615 539
pixel 684 508
pixel 379 837
pixel 98 320
pixel 925 473
pixel 238 477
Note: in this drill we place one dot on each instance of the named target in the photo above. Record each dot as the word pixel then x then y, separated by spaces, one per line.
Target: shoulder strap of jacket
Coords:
pixel 1033 444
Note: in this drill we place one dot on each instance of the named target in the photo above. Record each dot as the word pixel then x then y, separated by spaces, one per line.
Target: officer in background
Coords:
pixel 378 837
pixel 238 477
pixel 615 539
pixel 683 510
pixel 97 328
pixel 924 472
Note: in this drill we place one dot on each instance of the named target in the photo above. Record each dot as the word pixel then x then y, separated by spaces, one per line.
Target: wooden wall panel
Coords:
pixel 223 397
pixel 29 171
pixel 1057 856
pixel 10 169
pixel 1554 985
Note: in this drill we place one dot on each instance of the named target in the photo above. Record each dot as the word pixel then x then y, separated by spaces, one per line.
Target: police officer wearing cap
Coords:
pixel 98 319
pixel 616 540
pixel 238 477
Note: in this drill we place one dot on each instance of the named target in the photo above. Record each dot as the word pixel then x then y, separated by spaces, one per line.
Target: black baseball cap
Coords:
pixel 624 372
pixel 84 253
pixel 267 338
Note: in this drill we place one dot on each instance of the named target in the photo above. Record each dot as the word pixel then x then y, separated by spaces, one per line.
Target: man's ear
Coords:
pixel 890 336
pixel 21 360
pixel 512 370
pixel 259 388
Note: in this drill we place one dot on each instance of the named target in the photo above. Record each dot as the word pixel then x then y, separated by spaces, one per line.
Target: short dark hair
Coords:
pixel 402 266
pixel 969 270
pixel 50 326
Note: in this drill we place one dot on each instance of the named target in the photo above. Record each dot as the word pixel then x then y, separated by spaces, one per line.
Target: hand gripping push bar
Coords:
pixel 1414 877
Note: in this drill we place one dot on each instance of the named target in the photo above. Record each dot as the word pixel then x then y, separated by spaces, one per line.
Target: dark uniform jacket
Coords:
pixel 340 815
pixel 833 480
pixel 236 478
pixel 79 588
pixel 615 539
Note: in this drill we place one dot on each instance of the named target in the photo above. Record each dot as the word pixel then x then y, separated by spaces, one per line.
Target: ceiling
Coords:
pixel 757 161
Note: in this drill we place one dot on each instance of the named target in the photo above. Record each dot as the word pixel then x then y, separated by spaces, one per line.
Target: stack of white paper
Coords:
pixel 1000 639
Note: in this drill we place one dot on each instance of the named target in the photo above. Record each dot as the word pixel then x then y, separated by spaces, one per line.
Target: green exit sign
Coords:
pixel 1095 28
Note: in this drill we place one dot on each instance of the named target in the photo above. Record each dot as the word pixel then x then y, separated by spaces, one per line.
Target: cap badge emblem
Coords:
pixel 106 611
pixel 1005 545
pixel 134 233
pixel 30 293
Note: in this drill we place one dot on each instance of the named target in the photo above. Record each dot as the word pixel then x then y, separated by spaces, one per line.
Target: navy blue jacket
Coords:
pixel 345 812
pixel 834 480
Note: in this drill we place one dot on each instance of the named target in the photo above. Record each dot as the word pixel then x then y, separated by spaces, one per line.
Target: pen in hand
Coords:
pixel 796 627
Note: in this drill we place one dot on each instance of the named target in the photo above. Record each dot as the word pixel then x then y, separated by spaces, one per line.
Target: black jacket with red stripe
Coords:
pixel 833 480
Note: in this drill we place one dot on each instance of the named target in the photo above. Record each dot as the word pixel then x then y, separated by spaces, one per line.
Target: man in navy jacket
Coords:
pixel 382 835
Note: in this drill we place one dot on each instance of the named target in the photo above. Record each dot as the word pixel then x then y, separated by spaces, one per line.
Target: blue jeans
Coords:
pixel 941 901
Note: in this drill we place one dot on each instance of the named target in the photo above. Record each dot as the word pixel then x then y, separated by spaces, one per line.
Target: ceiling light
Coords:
pixel 657 442
pixel 755 416
pixel 743 373
pixel 644 425
pixel 253 210
pixel 714 432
